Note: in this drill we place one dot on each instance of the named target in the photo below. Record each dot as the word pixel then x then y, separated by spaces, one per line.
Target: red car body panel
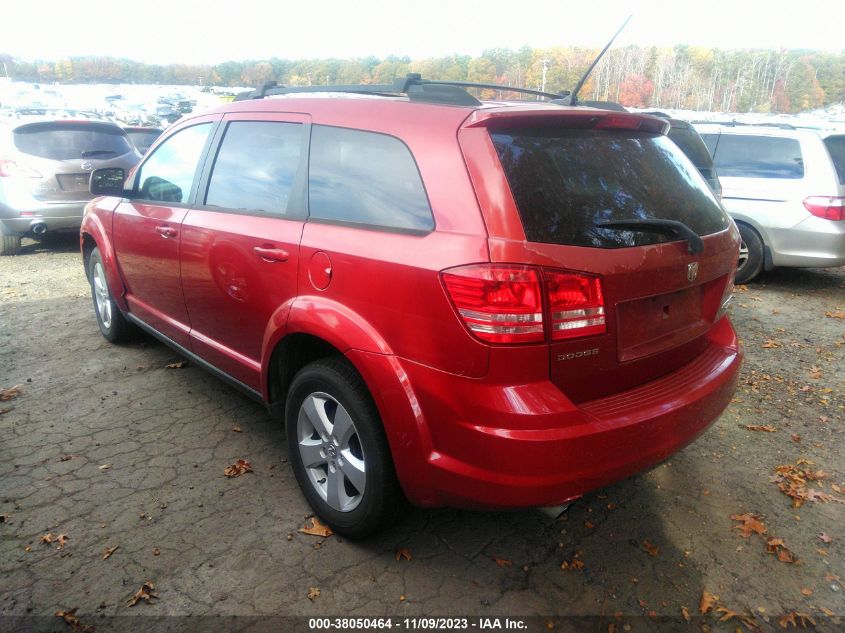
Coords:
pixel 468 423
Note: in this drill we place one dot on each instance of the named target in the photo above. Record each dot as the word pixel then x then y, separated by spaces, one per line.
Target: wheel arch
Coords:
pixel 94 235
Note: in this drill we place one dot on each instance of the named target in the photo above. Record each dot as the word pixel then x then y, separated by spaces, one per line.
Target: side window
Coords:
pixel 365 178
pixel 710 140
pixel 256 166
pixel 169 173
pixel 747 156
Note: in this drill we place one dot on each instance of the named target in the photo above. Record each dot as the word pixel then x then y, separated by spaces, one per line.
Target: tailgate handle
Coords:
pixel 269 254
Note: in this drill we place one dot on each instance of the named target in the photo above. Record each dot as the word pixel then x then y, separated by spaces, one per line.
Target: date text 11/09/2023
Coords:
pixel 417 624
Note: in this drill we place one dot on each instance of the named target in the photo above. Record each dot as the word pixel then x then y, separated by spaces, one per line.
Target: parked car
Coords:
pixel 685 136
pixel 486 305
pixel 783 187
pixel 142 137
pixel 45 165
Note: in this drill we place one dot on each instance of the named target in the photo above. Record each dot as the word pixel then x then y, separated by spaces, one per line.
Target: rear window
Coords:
pixel 566 181
pixel 143 139
pixel 691 144
pixel 745 156
pixel 836 149
pixel 66 141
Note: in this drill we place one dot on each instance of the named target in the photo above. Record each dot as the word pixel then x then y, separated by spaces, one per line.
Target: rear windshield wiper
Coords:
pixel 673 228
pixel 96 152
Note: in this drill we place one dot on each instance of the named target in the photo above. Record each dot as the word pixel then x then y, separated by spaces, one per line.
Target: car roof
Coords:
pixel 371 111
pixel 756 130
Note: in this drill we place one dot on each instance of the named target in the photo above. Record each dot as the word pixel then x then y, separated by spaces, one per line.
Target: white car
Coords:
pixel 785 189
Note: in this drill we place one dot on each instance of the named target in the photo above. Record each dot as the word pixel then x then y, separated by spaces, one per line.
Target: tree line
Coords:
pixel 687 77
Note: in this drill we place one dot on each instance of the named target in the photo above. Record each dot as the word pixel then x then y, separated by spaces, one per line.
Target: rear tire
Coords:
pixel 338 450
pixel 113 325
pixel 11 245
pixel 750 254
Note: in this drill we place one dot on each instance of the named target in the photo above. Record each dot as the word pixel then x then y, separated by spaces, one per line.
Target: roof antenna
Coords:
pixel 572 99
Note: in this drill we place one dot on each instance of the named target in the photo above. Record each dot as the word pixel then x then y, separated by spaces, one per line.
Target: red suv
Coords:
pixel 477 304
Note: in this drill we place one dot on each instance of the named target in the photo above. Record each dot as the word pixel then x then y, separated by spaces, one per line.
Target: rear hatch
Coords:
pixel 59 156
pixel 635 254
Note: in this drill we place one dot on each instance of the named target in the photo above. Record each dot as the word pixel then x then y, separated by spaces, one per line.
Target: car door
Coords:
pixel 146 229
pixel 240 244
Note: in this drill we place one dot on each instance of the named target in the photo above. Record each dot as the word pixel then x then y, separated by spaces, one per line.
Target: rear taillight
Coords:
pixel 11 169
pixel 827 207
pixel 498 303
pixel 727 297
pixel 502 303
pixel 576 304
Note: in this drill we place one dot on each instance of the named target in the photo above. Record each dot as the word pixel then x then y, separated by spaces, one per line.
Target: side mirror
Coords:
pixel 107 182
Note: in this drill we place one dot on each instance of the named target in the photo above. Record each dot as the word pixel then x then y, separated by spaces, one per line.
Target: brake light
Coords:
pixel 502 303
pixel 498 303
pixel 633 122
pixel 10 169
pixel 576 304
pixel 727 297
pixel 827 207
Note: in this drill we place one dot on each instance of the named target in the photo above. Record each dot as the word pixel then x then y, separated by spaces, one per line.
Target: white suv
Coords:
pixel 785 188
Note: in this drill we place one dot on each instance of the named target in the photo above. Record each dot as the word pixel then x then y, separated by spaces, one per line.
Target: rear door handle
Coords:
pixel 165 231
pixel 269 254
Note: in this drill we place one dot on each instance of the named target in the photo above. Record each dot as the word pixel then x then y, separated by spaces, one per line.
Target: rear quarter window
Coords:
pixel 836 148
pixel 747 156
pixel 365 178
pixel 67 141
pixel 565 182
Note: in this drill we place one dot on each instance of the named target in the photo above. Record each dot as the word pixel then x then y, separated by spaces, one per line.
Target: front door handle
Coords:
pixel 166 231
pixel 270 254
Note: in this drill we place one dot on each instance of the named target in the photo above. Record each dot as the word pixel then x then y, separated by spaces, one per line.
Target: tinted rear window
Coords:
pixel 836 148
pixel 365 178
pixel 746 156
pixel 566 181
pixel 691 144
pixel 66 141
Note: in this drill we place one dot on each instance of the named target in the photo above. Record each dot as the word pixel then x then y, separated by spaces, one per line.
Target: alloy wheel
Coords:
pixel 101 295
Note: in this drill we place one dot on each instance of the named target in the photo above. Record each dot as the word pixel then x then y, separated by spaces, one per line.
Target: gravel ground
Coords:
pixel 108 447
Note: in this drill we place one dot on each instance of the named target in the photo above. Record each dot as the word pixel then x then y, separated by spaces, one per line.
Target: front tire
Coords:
pixel 338 450
pixel 750 254
pixel 113 325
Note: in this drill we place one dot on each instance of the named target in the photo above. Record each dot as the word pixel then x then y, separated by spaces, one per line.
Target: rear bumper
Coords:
pixel 813 242
pixel 66 216
pixel 500 446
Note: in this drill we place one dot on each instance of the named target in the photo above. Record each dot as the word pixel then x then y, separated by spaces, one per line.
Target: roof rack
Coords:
pixel 776 124
pixel 413 85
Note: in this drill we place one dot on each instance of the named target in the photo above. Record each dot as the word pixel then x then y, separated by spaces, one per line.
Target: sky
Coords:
pixel 192 32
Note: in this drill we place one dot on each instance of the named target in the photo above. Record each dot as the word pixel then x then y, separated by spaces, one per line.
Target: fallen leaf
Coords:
pixel 777 547
pixel 238 468
pixel 572 565
pixel 653 550
pixel 748 523
pixel 47 538
pixel 104 466
pixel 807 591
pixel 728 614
pixel 60 539
pixel 75 624
pixel 145 593
pixel 760 427
pixel 402 598
pixel 403 553
pixel 589 525
pixel 10 393
pixel 316 528
pixel 313 592
pixel 5 410
pixel 796 620
pixel 835 315
pixel 796 438
pixel 502 562
pixel 824 538
pixel 156 551
pixel 771 344
pixel 237 429
pixel 109 551
pixel 65 458
pixel 685 613
pixel 707 602
pixel 179 365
